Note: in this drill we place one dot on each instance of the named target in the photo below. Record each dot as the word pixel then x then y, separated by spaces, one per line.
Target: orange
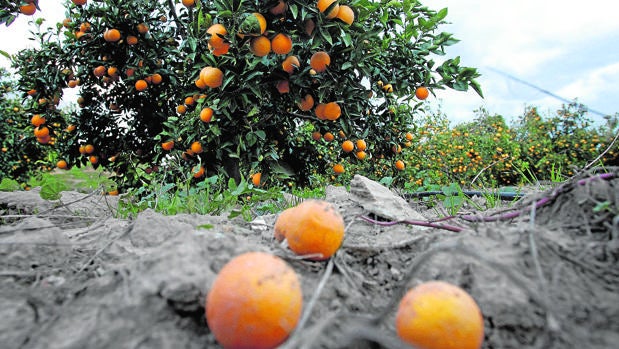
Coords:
pixel 132 40
pixel 345 14
pixel 198 171
pixel 399 165
pixel 439 315
pixel 422 92
pixel 37 120
pixel 332 111
pixel 32 92
pixel 254 302
pixel 72 83
pixel 253 24
pixel 71 128
pixel 388 88
pixel 141 85
pixel 79 2
pixel 156 79
pixel 316 227
pixel 255 179
pixel 361 155
pixel 41 131
pixel 181 109
pixel 408 136
pixel 43 140
pixel 283 223
pixel 260 46
pixel 113 192
pixel 28 9
pixel 348 146
pixel 189 101
pixel 338 169
pixel 328 137
pixel 316 136
pixel 206 114
pixel 306 103
pixel 66 22
pixel 283 86
pixel 142 28
pixel 281 44
pixel 361 145
pixel 62 164
pixel 290 64
pixel 320 111
pixel 261 21
pixel 99 71
pixel 320 61
pixel 221 50
pixel 200 84
pixel 89 149
pixel 167 146
pixel 129 72
pixel 111 35
pixel 217 32
pixel 396 148
pixel 211 76
pixel 82 149
pixel 279 9
pixel 329 8
pixel 93 159
pixel 196 147
pixel 189 3
pixel 112 71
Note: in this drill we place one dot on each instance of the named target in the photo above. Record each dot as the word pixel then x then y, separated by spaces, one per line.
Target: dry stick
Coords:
pixel 413 222
pixel 457 247
pixel 108 244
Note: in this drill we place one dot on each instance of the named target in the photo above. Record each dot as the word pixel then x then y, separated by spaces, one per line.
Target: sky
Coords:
pixel 568 48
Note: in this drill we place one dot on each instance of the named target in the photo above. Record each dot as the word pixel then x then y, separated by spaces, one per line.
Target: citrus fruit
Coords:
pixel 422 92
pixel 211 76
pixel 281 44
pixel 320 61
pixel 260 46
pixel 345 14
pixel 348 146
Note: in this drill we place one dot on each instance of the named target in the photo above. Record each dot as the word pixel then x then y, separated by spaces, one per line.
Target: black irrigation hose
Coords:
pixel 470 193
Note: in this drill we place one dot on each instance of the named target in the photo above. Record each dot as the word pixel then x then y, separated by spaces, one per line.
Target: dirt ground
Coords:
pixel 73 276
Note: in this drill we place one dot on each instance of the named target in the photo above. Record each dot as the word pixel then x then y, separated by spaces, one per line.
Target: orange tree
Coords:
pixel 9 10
pixel 236 87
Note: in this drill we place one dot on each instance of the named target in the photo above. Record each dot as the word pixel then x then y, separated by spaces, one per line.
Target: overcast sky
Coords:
pixel 568 48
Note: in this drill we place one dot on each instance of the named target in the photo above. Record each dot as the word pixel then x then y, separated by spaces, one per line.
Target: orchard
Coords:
pixel 180 91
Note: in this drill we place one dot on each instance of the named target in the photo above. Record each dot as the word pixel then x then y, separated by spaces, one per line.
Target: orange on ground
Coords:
pixel 260 46
pixel 141 85
pixel 167 146
pixel 196 147
pixel 281 44
pixel 211 76
pixel 320 61
pixel 422 92
pixel 361 155
pixel 316 227
pixel 332 111
pixel 290 64
pixel 206 114
pixel 316 136
pixel 198 171
pixel 89 149
pixel 37 120
pixel 328 137
pixel 345 14
pixel 361 145
pixel 338 169
pixel 283 86
pixel 62 164
pixel 306 103
pixel 439 315
pixel 28 9
pixel 284 222
pixel 348 146
pixel 113 192
pixel 111 35
pixel 254 302
pixel 255 179
pixel 399 165
pixel 329 8
pixel 217 32
pixel 156 78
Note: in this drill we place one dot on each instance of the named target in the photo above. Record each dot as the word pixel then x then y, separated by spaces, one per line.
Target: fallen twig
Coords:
pixel 413 222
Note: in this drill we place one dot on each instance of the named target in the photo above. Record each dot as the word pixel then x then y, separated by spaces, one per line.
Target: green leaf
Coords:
pixel 441 15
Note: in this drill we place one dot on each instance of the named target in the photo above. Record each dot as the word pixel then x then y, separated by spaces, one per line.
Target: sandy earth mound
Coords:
pixel 73 276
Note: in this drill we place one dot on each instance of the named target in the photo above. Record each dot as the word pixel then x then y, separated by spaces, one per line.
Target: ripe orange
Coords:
pixel 261 21
pixel 93 159
pixel 348 146
pixel 32 92
pixel 320 61
pixel 306 103
pixel 168 145
pixel 196 147
pixel 132 40
pixel 290 64
pixel 399 165
pixel 37 120
pixel 254 302
pixel 255 179
pixel 142 28
pixel 99 71
pixel 217 32
pixel 113 192
pixel 361 155
pixel 79 2
pixel 332 111
pixel 439 315
pixel 111 35
pixel 28 9
pixel 345 14
pixel 253 24
pixel 284 222
pixel 141 85
pixel 316 136
pixel 156 78
pixel 396 148
pixel 409 136
pixel 41 131
pixel 189 3
pixel 283 86
pixel 71 128
pixel 281 44
pixel 328 137
pixel 200 84
pixel 260 46
pixel 89 149
pixel 279 9
pixel 320 111
pixel 112 71
pixel 422 92
pixel 198 171
pixel 212 77
pixel 338 169
pixel 62 164
pixel 206 114
pixel 72 83
pixel 189 101
pixel 361 145
pixel 329 8
pixel 221 50
pixel 181 109
pixel 315 227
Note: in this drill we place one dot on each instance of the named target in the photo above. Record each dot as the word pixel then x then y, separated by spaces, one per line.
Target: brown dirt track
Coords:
pixel 72 276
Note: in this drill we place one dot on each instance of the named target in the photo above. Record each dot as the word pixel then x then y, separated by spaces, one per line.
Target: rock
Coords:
pixel 379 200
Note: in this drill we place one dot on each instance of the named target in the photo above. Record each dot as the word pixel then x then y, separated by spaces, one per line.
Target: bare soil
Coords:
pixel 73 276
